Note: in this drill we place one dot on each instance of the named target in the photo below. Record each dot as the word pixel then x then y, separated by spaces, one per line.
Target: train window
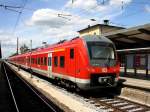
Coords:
pixel 71 53
pixel 29 60
pixel 33 60
pixel 39 61
pixel 55 61
pixel 45 60
pixel 62 61
pixel 49 61
pixel 36 60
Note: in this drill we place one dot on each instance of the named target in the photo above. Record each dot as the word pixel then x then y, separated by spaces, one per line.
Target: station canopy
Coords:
pixel 130 38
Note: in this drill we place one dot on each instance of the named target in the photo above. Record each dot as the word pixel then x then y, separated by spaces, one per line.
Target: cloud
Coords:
pixel 47 17
pixel 94 6
pixel 81 4
pixel 7 51
pixel 47 22
pixel 88 5
pixel 8 43
pixel 147 8
pixel 119 2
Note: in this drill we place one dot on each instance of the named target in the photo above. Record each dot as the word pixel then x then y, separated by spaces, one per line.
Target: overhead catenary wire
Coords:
pixel 104 2
pixel 11 8
pixel 17 9
pixel 19 15
pixel 133 3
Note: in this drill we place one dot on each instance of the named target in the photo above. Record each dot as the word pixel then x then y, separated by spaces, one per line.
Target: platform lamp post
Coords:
pixel 147 60
pixel 18 52
pixel 30 56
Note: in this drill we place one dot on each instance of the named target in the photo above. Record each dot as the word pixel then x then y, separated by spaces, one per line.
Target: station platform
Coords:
pixel 136 89
pixel 140 74
pixel 139 80
pixel 139 83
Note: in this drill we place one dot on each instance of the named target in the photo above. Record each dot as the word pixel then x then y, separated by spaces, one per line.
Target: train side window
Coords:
pixel 34 60
pixel 71 53
pixel 45 60
pixel 55 61
pixel 49 61
pixel 39 61
pixel 62 61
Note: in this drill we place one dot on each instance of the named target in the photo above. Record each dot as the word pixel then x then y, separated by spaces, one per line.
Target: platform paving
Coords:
pixel 136 87
pixel 136 82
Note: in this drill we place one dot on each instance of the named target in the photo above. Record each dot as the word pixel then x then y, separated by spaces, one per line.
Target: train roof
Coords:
pixel 87 38
pixel 98 38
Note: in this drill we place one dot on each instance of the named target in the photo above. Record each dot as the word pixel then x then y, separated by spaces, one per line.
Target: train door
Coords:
pixel 72 63
pixel 50 64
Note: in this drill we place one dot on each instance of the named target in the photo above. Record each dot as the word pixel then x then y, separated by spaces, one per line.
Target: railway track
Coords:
pixel 117 105
pixel 103 101
pixel 25 97
pixel 109 101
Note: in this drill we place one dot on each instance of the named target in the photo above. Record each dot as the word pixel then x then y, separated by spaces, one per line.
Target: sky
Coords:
pixel 54 20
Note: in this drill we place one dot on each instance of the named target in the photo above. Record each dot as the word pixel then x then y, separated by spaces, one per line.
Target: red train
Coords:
pixel 89 62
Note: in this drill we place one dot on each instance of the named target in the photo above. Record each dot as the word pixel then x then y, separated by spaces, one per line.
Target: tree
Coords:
pixel 24 48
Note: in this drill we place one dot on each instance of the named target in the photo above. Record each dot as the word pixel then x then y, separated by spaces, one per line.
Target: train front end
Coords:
pixel 103 69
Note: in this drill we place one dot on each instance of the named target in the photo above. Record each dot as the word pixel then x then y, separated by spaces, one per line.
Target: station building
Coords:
pixel 132 44
pixel 98 29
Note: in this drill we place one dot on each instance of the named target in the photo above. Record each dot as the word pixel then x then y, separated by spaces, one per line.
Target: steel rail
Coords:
pixel 11 90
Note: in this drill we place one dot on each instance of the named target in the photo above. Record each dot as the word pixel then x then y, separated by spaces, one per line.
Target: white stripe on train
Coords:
pixel 52 75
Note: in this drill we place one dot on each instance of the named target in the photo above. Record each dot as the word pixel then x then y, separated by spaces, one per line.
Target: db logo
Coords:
pixel 104 70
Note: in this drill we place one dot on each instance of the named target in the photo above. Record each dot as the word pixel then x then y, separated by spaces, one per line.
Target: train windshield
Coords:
pixel 101 54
